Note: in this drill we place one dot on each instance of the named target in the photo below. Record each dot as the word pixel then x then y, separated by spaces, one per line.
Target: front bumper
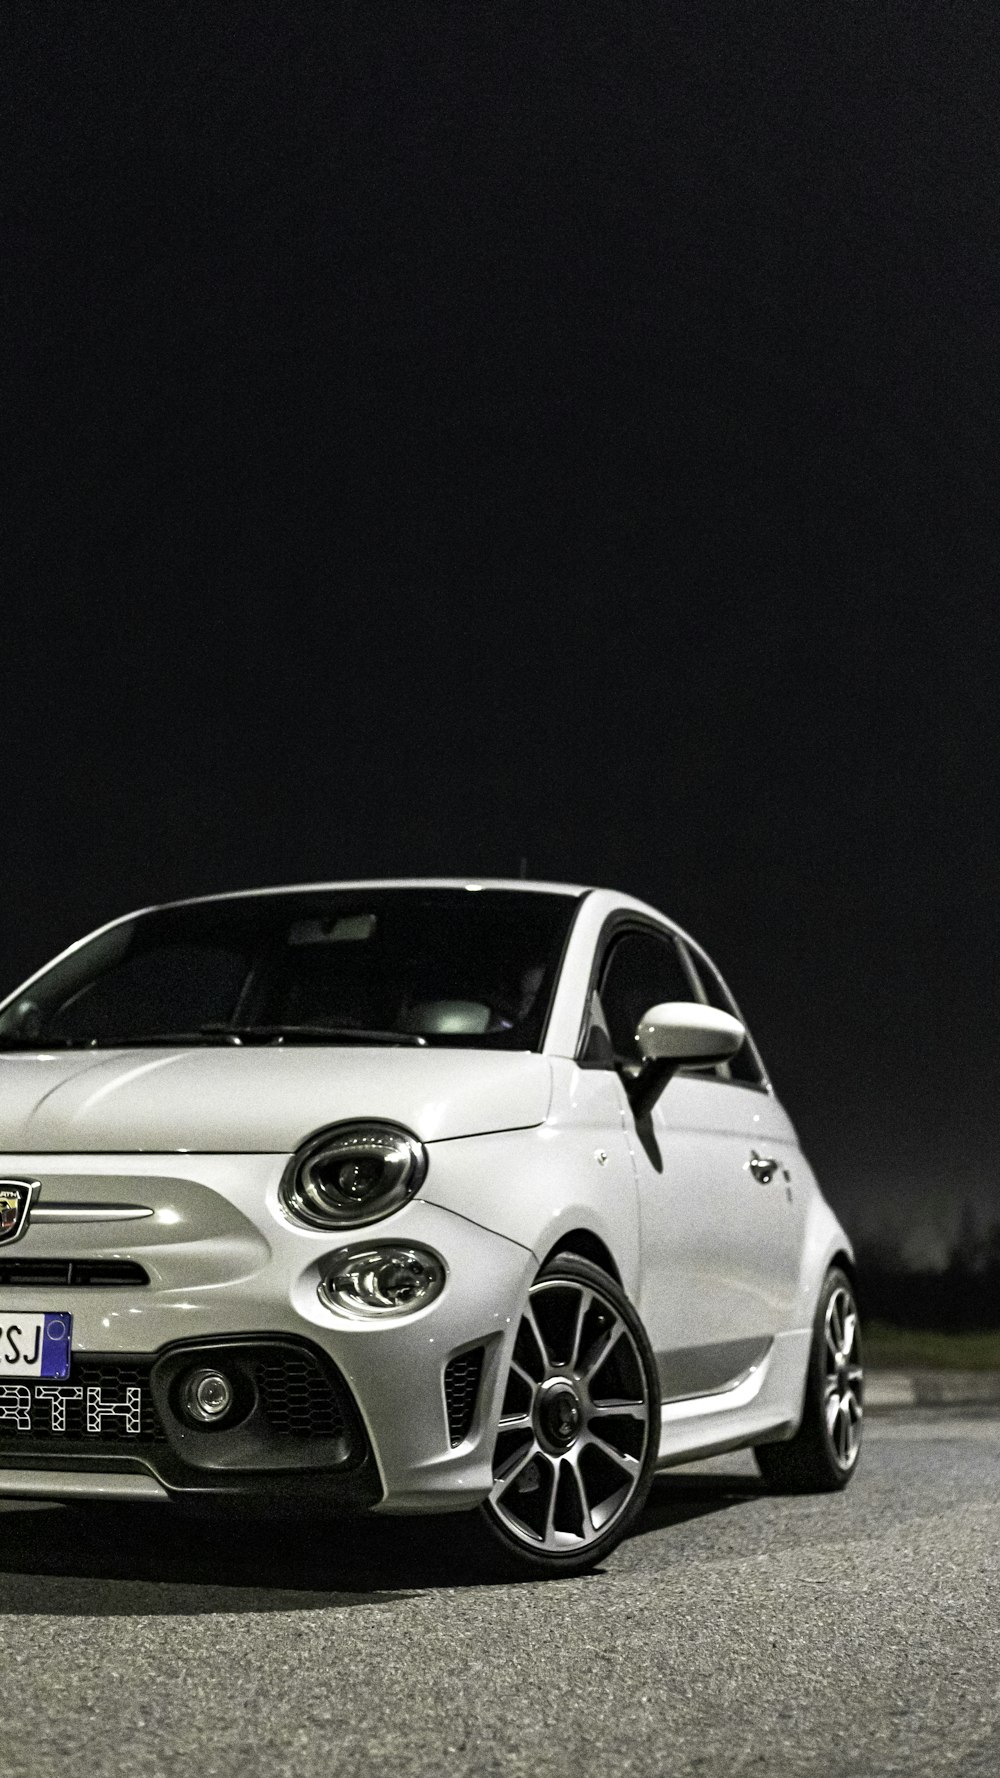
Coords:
pixel 294 1436
pixel 232 1281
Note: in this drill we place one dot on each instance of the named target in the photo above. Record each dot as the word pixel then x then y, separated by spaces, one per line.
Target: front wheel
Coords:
pixel 824 1453
pixel 579 1430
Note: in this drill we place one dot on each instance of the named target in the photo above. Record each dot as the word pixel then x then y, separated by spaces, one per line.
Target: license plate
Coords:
pixel 34 1345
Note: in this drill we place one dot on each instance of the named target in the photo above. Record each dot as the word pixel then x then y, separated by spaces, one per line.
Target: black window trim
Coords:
pixel 622 920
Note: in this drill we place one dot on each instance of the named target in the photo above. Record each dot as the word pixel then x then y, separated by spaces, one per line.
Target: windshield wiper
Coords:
pixel 221 1034
pixel 38 1044
pixel 250 1034
pixel 310 1034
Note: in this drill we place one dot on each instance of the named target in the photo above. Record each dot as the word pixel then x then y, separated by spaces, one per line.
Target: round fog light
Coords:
pixel 386 1280
pixel 207 1396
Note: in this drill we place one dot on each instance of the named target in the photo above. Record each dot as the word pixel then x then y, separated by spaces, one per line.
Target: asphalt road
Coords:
pixel 734 1633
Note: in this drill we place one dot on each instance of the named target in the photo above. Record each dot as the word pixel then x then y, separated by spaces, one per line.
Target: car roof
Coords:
pixel 470 882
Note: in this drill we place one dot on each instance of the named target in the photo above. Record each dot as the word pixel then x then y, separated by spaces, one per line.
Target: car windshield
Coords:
pixel 473 968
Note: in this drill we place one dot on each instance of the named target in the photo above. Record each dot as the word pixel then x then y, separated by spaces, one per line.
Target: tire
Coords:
pixel 824 1453
pixel 579 1431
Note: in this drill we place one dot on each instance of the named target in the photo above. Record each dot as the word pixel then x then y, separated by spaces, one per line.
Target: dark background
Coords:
pixel 443 434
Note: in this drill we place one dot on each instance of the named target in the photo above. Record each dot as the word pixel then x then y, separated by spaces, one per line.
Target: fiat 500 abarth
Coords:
pixel 408 1197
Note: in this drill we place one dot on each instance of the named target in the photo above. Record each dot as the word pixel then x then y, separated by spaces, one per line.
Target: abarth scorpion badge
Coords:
pixel 15 1202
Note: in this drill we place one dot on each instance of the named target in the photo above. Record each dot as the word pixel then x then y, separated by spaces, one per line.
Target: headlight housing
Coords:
pixel 388 1280
pixel 353 1174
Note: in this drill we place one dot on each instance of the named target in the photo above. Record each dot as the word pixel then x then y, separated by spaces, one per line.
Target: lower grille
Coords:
pixel 103 1403
pixel 461 1387
pixel 108 1403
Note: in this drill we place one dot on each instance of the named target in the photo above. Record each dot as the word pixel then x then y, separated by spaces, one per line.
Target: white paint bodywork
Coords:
pixel 524 1151
pixel 258 1101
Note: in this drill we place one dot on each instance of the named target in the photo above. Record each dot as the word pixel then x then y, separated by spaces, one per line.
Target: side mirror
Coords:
pixel 676 1032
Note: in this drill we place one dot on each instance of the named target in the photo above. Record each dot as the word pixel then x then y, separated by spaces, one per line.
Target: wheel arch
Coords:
pixel 586 1245
pixel 847 1264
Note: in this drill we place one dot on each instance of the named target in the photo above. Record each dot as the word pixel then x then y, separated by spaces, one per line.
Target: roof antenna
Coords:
pixel 524 868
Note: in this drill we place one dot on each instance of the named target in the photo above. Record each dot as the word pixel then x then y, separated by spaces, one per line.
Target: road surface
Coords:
pixel 855 1636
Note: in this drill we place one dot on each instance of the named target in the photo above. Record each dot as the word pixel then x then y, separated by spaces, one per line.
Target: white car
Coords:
pixel 408 1197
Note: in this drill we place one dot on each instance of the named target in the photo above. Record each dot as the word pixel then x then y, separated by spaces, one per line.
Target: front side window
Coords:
pixel 641 970
pixel 460 967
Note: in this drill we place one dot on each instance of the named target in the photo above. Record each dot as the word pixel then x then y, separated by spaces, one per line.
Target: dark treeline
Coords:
pixel 963 1297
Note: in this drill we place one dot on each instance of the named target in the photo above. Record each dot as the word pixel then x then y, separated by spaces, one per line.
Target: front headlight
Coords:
pixel 383 1281
pixel 353 1174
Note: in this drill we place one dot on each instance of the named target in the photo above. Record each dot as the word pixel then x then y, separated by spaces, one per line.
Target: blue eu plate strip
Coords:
pixel 56 1336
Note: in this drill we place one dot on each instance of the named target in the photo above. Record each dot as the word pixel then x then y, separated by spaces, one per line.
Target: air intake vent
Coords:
pixel 57 1274
pixel 461 1387
pixel 299 1398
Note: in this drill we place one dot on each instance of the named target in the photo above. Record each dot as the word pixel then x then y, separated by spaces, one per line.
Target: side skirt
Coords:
pixel 766 1403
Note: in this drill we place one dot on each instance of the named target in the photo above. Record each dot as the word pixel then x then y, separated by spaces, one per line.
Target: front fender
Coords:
pixel 535 1186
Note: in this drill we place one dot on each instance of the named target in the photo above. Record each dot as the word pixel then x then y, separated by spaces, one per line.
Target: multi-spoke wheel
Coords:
pixel 844 1381
pixel 579 1429
pixel 825 1450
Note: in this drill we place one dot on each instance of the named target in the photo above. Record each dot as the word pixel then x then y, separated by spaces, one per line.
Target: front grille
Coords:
pixel 114 1406
pixel 299 1397
pixel 73 1273
pixel 461 1387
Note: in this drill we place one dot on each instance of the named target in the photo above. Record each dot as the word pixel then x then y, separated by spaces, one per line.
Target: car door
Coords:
pixel 714 1271
pixel 772 1165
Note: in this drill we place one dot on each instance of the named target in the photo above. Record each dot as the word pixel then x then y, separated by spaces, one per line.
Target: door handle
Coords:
pixel 762 1166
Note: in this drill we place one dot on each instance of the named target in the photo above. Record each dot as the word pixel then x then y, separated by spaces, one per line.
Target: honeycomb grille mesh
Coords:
pixel 461 1387
pixel 299 1399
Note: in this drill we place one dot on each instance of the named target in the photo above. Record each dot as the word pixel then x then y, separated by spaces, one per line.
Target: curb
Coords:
pixel 929 1389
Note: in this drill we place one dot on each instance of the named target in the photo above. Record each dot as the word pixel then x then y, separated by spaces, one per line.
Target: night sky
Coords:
pixel 442 434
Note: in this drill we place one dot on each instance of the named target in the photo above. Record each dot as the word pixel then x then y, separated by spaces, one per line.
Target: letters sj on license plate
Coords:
pixel 34 1345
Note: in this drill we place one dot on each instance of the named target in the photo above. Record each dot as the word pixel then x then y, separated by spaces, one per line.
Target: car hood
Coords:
pixel 264 1101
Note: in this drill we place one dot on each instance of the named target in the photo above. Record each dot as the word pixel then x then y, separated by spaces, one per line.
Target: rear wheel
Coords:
pixel 579 1431
pixel 824 1453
